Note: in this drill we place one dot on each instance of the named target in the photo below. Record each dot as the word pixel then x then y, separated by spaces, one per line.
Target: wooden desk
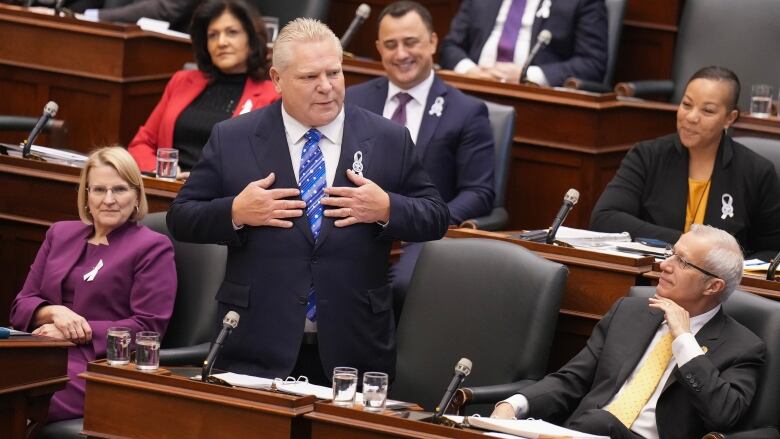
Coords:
pixel 596 280
pixel 332 422
pixel 106 78
pixel 33 369
pixel 36 194
pixel 123 402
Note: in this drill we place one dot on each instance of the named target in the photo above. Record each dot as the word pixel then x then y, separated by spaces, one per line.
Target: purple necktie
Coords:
pixel 508 40
pixel 399 116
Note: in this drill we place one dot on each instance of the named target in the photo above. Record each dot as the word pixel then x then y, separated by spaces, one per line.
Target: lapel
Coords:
pixel 431 122
pixel 677 173
pixel 355 138
pixel 538 22
pixel 69 255
pixel 269 146
pixel 640 335
pixel 378 97
pixel 720 183
pixel 708 336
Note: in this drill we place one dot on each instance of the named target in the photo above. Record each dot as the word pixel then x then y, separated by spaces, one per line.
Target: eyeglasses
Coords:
pixel 682 263
pixel 101 191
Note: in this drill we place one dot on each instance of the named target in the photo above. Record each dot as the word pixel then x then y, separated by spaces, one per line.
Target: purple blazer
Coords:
pixel 135 288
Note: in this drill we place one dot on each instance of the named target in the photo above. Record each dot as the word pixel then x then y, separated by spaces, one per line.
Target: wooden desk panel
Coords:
pixel 123 402
pixel 33 369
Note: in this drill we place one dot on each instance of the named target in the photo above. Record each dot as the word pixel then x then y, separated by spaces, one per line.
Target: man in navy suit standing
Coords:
pixel 451 130
pixel 309 195
pixel 492 39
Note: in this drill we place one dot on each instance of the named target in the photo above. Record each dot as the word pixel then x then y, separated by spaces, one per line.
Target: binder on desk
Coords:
pixel 529 428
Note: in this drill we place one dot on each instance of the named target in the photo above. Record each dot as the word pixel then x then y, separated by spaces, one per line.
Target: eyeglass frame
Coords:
pixel 684 263
pixel 124 190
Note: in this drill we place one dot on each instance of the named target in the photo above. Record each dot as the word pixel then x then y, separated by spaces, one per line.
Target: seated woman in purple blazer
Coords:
pixel 105 270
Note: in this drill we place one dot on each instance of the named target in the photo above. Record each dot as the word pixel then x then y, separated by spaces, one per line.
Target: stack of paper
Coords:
pixel 589 239
pixel 528 428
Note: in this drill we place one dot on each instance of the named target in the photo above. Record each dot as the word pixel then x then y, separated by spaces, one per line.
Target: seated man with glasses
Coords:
pixel 676 367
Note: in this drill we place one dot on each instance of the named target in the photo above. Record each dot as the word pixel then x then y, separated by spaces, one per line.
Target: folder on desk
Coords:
pixel 529 428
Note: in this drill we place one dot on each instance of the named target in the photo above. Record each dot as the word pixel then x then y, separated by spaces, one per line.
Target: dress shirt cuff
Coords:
pixel 535 74
pixel 91 14
pixel 464 65
pixel 685 348
pixel 235 227
pixel 519 403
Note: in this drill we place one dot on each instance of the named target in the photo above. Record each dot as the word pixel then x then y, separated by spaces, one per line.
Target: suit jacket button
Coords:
pixel 315 259
pixel 689 376
pixel 303 300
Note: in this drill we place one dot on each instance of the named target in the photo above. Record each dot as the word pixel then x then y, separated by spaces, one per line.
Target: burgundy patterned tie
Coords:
pixel 399 116
pixel 508 40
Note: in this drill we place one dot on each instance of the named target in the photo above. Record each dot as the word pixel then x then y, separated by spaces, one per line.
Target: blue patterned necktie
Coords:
pixel 312 185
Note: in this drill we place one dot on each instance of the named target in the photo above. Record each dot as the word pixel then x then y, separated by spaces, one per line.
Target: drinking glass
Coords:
pixel 147 350
pixel 344 386
pixel 761 100
pixel 167 163
pixel 118 346
pixel 374 391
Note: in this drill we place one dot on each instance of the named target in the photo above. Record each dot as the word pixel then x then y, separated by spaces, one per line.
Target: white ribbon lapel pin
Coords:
pixel 727 210
pixel 437 107
pixel 544 9
pixel 357 163
pixel 247 107
pixel 90 276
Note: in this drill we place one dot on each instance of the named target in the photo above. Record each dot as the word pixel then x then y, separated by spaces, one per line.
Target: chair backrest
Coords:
pixel 615 11
pixel 502 121
pixel 200 269
pixel 762 316
pixel 493 302
pixel 743 36
pixel 767 148
pixel 288 10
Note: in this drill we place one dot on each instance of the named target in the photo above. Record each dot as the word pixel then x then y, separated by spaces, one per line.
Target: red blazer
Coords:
pixel 181 91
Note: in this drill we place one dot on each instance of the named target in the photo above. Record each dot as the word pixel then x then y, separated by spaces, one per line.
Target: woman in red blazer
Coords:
pixel 229 44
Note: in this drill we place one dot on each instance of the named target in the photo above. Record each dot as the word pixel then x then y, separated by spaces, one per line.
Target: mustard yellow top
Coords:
pixel 698 193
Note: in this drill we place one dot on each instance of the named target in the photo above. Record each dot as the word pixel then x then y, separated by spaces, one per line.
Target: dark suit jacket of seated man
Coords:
pixel 579 37
pixel 711 391
pixel 274 263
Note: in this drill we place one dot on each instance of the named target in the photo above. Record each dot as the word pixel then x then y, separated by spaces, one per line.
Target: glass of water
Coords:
pixel 167 163
pixel 374 391
pixel 147 350
pixel 118 346
pixel 761 100
pixel 344 386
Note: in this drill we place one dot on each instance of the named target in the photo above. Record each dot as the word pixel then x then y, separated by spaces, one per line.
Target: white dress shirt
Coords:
pixel 415 108
pixel 684 349
pixel 487 57
pixel 330 143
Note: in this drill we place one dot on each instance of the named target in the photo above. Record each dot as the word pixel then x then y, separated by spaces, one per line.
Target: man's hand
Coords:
pixel 677 317
pixel 480 73
pixel 503 410
pixel 507 72
pixel 257 205
pixel 49 330
pixel 71 326
pixel 367 203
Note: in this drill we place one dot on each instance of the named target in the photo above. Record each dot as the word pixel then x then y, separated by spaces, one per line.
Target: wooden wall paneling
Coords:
pixel 20 243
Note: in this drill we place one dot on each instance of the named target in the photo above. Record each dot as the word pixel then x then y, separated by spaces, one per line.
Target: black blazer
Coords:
pixel 579 37
pixel 648 195
pixel 270 270
pixel 456 147
pixel 712 392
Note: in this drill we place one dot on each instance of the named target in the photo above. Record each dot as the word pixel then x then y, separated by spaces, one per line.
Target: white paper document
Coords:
pixel 528 428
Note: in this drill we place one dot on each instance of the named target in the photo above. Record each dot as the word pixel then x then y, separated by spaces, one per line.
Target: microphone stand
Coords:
pixel 770 272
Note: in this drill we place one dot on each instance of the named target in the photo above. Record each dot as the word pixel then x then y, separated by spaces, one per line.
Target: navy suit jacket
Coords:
pixel 579 37
pixel 456 148
pixel 270 270
pixel 712 392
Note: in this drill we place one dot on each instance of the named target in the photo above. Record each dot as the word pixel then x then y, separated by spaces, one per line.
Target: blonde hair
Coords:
pixel 300 30
pixel 123 163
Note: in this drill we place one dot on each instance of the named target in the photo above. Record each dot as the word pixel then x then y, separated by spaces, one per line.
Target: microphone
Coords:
pixel 361 14
pixel 229 323
pixel 462 370
pixel 569 200
pixel 542 40
pixel 49 111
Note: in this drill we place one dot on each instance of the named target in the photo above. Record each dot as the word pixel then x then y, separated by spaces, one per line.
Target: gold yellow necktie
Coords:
pixel 627 405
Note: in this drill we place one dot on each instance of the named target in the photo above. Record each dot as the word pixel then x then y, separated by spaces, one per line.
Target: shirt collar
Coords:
pixel 419 92
pixel 698 322
pixel 332 131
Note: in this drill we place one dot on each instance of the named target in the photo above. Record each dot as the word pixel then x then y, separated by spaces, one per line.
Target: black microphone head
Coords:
pixel 231 319
pixel 463 367
pixel 363 11
pixel 544 37
pixel 572 196
pixel 51 109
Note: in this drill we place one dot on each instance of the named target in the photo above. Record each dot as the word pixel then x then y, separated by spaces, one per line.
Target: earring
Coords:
pixel 136 208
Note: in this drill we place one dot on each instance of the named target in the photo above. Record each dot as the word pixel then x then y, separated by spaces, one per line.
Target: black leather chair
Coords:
pixel 200 269
pixel 743 36
pixel 288 10
pixel 767 148
pixel 57 129
pixel 615 11
pixel 762 316
pixel 493 302
pixel 502 121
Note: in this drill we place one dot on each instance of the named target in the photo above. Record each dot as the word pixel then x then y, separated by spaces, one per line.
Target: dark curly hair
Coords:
pixel 252 22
